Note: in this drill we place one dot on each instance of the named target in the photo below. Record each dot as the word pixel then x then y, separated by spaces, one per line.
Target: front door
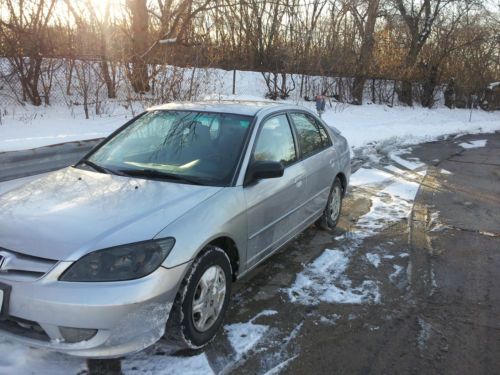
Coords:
pixel 274 205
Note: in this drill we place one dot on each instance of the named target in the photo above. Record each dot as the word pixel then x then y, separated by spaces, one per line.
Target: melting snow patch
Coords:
pixel 145 363
pixel 474 144
pixel 395 169
pixel 331 320
pixel 402 189
pixel 425 333
pixel 397 271
pixel 374 259
pixel 411 164
pixel 434 224
pixel 444 171
pixel 242 336
pixel 388 206
pixel 324 281
pixel 381 214
pixel 369 176
pixel 280 367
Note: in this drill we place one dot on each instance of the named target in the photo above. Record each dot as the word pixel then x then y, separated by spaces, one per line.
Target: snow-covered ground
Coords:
pixel 29 127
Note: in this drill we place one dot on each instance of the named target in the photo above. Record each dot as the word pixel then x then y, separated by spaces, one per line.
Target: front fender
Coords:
pixel 222 215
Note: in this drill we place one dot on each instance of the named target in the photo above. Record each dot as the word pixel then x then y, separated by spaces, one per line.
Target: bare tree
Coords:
pixel 140 27
pixel 419 17
pixel 366 26
pixel 26 39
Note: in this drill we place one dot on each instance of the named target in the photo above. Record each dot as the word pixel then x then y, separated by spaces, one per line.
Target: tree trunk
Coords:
pixel 366 52
pixel 69 76
pixel 357 89
pixel 110 87
pixel 30 78
pixel 430 84
pixel 284 93
pixel 193 73
pixel 140 22
pixel 302 86
pixel 234 81
pixel 374 98
pixel 406 94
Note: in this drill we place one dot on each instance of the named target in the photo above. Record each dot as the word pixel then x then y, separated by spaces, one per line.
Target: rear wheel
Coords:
pixel 202 301
pixel 333 208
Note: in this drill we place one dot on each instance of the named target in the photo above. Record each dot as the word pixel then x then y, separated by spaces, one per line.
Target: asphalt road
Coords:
pixel 439 315
pixel 25 163
pixel 439 280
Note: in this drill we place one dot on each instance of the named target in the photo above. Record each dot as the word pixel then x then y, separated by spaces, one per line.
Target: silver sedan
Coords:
pixel 143 237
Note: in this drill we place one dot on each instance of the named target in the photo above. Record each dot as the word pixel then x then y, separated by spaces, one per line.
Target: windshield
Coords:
pixel 191 147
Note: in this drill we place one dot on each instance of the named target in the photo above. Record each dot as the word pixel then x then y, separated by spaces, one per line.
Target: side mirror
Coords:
pixel 259 170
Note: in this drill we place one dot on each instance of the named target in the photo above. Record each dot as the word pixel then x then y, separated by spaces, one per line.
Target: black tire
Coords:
pixel 326 221
pixel 180 330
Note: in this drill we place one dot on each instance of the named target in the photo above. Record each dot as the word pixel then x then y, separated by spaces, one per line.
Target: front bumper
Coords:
pixel 125 316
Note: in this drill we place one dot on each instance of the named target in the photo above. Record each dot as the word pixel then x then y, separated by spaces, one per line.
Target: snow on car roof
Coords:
pixel 244 107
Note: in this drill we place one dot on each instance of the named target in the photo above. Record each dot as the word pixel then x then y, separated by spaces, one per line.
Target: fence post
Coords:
pixel 234 81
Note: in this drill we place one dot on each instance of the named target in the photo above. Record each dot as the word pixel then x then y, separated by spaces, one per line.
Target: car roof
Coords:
pixel 243 107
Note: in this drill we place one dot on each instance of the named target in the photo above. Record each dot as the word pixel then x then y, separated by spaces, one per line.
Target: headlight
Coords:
pixel 120 263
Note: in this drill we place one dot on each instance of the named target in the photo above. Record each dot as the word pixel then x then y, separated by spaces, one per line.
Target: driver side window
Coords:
pixel 275 142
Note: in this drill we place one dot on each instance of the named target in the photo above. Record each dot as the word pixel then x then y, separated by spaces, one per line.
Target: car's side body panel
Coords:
pixel 262 217
pixel 274 208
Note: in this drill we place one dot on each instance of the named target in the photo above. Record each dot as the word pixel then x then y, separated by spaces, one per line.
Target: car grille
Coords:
pixel 20 267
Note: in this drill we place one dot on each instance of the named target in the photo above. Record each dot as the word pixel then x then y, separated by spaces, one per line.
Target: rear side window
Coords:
pixel 275 142
pixel 310 139
pixel 327 142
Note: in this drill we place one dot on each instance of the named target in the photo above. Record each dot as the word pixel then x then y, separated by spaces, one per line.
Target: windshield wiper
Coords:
pixel 99 168
pixel 152 173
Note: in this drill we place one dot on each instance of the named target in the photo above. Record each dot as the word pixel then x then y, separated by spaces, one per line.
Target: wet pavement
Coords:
pixel 438 277
pixel 400 286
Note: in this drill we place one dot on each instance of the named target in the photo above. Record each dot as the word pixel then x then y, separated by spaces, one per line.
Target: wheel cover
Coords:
pixel 334 207
pixel 208 298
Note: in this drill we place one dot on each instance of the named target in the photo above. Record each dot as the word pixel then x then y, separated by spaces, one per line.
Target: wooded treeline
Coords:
pixel 420 44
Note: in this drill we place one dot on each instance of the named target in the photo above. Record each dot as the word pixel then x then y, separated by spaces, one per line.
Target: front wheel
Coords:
pixel 331 215
pixel 202 301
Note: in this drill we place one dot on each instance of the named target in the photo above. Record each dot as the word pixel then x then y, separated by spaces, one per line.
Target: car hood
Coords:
pixel 69 213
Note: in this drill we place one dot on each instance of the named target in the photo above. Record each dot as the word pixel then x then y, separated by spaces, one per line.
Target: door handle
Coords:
pixel 298 180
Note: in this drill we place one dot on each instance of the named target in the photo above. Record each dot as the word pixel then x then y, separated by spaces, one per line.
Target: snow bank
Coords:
pixel 31 127
pixel 366 124
pixel 28 127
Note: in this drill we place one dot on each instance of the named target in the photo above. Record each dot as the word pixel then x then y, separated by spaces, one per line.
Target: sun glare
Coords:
pixel 84 8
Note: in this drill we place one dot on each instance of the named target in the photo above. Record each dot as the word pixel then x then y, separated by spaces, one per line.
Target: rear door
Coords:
pixel 275 206
pixel 318 158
